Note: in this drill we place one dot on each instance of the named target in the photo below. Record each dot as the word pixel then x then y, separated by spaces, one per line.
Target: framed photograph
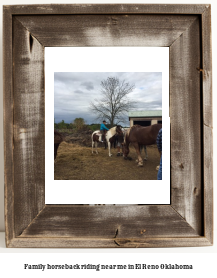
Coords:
pixel 81 167
pixel 186 217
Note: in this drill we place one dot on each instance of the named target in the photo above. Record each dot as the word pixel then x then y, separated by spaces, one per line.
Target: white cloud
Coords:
pixel 73 92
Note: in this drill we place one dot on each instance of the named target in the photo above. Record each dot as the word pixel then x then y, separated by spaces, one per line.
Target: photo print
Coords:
pixel 106 115
pixel 107 121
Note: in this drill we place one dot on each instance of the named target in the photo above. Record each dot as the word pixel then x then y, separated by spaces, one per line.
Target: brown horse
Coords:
pixel 58 138
pixel 140 135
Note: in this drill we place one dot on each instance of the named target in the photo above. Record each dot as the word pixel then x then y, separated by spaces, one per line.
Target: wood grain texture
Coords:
pixel 29 141
pixel 207 67
pixel 107 30
pixel 185 111
pixel 185 29
pixel 207 122
pixel 208 183
pixel 8 125
pixel 109 222
pixel 106 9
pixel 34 242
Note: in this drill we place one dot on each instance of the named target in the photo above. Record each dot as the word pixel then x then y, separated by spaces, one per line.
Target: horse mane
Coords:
pixel 134 126
pixel 113 128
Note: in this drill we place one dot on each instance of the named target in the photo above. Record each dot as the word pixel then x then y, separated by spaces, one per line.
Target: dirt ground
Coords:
pixel 75 162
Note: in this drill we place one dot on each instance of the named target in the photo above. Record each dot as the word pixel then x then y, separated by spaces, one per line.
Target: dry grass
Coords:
pixel 74 162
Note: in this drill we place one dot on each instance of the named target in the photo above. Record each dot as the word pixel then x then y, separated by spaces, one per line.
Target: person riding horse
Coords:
pixel 103 130
pixel 115 130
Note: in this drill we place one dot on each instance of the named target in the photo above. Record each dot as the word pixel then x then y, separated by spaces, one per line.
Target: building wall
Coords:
pixel 153 120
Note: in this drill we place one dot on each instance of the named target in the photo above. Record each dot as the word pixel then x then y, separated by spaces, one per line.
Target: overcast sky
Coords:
pixel 73 92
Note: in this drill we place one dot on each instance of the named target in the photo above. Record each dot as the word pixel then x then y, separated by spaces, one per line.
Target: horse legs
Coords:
pixel 93 143
pixel 96 147
pixel 145 150
pixel 109 148
pixel 146 154
pixel 137 148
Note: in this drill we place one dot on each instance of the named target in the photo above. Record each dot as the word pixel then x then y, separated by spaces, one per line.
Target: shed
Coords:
pixel 145 118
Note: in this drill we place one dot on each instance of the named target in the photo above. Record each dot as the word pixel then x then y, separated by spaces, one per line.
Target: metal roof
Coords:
pixel 145 113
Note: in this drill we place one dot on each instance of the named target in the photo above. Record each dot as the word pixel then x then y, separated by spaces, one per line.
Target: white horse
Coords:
pixel 97 137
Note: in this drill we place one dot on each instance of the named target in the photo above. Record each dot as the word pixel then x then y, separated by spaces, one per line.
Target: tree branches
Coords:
pixel 114 104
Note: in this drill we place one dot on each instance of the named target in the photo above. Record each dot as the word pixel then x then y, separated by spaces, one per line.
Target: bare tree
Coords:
pixel 114 104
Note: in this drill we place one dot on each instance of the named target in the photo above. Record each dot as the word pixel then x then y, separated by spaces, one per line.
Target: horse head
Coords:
pixel 125 150
pixel 125 146
pixel 119 130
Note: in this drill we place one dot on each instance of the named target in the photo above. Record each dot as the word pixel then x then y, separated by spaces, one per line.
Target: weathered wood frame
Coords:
pixel 186 29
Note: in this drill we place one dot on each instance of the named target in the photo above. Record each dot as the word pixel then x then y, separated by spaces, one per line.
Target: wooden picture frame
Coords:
pixel 186 30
